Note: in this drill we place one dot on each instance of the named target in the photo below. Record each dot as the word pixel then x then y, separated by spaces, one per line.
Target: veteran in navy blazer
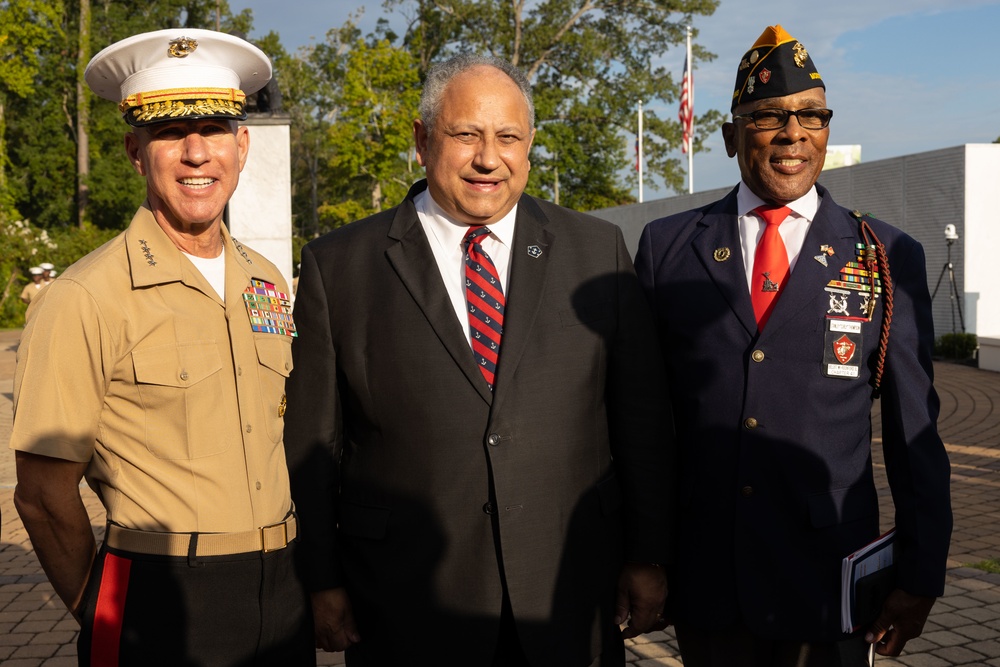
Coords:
pixel 509 517
pixel 773 409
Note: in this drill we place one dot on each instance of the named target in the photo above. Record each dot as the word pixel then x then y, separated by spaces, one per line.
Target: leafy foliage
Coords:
pixel 351 100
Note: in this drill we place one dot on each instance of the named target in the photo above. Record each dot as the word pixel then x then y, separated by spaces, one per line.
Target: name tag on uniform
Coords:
pixel 842 349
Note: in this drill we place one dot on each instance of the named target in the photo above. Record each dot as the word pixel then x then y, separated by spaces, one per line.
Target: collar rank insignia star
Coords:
pixel 534 251
pixel 721 254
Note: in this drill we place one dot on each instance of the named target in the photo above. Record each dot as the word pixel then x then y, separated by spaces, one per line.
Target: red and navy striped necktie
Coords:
pixel 485 300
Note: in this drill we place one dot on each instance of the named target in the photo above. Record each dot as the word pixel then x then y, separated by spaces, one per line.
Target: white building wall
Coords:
pixel 982 239
pixel 982 249
pixel 260 211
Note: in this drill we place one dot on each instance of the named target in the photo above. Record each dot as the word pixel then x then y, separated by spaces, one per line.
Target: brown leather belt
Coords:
pixel 269 538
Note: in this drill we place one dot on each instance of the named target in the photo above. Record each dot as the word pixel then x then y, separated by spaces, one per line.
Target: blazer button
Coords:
pixel 746 491
pixel 758 356
pixel 750 423
pixel 493 440
pixel 488 508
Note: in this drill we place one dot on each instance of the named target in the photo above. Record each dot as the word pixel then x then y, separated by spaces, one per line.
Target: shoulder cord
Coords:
pixel 876 259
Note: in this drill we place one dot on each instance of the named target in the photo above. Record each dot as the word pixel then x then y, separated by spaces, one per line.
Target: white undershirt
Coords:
pixel 214 271
pixel 793 230
pixel 446 237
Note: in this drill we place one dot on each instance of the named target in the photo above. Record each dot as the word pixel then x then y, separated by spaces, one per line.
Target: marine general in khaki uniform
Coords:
pixel 155 368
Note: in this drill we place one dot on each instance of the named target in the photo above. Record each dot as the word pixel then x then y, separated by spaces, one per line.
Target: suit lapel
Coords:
pixel 412 259
pixel 530 256
pixel 718 248
pixel 810 277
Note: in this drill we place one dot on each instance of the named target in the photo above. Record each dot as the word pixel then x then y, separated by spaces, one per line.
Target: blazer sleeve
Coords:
pixel 314 430
pixel 641 422
pixel 916 462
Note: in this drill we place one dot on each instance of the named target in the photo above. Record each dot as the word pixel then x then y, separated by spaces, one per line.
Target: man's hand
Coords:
pixel 334 620
pixel 902 618
pixel 642 590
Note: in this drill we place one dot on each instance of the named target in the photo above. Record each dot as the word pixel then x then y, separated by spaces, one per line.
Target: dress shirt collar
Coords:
pixel 451 233
pixel 803 207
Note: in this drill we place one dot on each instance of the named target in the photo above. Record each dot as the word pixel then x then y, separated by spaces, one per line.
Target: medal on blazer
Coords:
pixel 854 291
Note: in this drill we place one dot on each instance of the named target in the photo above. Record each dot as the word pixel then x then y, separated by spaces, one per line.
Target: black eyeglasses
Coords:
pixel 775 119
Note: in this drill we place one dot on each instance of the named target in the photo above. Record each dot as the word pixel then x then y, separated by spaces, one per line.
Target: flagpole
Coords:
pixel 638 163
pixel 690 92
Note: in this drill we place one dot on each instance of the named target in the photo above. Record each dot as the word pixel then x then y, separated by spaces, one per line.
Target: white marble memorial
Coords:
pixel 260 211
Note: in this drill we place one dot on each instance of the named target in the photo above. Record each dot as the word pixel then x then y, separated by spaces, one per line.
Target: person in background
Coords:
pixel 476 429
pixel 49 272
pixel 155 368
pixel 774 308
pixel 37 274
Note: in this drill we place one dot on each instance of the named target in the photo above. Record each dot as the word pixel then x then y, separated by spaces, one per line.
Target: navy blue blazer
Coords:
pixel 775 467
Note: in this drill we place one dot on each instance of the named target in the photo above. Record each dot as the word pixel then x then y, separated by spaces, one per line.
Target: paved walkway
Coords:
pixel 964 627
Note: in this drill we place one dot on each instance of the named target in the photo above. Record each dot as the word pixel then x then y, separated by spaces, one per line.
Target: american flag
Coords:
pixel 686 113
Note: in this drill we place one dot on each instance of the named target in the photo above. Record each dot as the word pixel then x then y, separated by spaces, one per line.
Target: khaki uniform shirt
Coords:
pixel 30 290
pixel 131 362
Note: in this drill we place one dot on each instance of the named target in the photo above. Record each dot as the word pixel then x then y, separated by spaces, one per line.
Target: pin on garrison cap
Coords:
pixel 776 65
pixel 177 74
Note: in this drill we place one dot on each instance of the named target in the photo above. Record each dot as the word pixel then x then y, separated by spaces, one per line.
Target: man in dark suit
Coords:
pixel 479 507
pixel 777 337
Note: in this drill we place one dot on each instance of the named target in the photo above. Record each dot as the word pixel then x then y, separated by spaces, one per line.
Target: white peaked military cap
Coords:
pixel 47 266
pixel 36 271
pixel 179 73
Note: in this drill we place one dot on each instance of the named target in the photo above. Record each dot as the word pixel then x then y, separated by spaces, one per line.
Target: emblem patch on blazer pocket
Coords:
pixel 842 349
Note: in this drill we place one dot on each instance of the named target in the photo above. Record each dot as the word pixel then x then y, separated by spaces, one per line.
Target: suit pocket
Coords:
pixel 362 521
pixel 840 506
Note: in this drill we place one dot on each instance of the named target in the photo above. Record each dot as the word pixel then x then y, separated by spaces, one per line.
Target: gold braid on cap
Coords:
pixel 181 102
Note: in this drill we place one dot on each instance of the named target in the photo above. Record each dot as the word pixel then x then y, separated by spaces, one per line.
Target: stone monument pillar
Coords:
pixel 260 211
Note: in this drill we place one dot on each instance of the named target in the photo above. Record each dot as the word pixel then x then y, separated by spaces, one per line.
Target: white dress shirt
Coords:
pixel 447 237
pixel 793 230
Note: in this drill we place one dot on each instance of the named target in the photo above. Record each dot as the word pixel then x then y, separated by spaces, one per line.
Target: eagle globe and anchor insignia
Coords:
pixel 843 349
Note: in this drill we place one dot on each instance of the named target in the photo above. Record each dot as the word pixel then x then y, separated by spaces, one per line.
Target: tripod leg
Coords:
pixel 938 283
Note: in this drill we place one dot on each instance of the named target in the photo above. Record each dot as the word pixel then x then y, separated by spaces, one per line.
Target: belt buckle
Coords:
pixel 284 537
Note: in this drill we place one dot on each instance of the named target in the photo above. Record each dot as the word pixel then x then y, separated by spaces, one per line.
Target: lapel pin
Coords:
pixel 534 251
pixel 721 254
pixel 821 259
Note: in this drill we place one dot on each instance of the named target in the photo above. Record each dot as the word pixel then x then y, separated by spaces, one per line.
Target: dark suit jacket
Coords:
pixel 412 479
pixel 775 468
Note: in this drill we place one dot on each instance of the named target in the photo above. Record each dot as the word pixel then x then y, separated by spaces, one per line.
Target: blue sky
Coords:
pixel 903 76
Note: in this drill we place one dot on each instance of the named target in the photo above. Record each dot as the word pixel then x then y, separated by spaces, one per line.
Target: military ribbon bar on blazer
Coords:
pixel 270 309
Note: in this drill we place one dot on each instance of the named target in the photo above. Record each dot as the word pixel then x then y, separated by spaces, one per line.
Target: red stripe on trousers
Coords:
pixel 108 615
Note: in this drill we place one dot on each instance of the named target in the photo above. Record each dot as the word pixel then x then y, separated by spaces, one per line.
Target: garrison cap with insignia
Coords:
pixel 775 66
pixel 177 74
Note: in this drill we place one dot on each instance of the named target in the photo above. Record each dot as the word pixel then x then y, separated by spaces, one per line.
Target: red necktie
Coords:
pixel 770 264
pixel 484 297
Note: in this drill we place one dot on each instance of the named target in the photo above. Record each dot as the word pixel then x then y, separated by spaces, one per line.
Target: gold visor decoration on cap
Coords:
pixel 183 102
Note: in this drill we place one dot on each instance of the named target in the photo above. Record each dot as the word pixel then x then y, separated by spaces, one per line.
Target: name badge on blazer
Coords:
pixel 842 349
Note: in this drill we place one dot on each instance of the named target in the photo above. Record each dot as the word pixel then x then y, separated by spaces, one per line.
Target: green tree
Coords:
pixel 379 94
pixel 590 62
pixel 25 27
